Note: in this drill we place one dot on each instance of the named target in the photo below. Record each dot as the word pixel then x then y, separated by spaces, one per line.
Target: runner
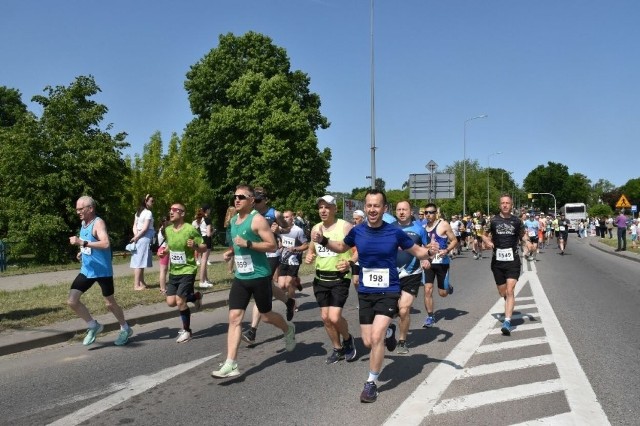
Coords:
pixel 96 265
pixel 505 230
pixel 252 239
pixel 275 220
pixel 442 241
pixel 379 288
pixel 333 280
pixel 456 225
pixel 293 243
pixel 563 233
pixel 409 271
pixel 182 242
pixel 532 226
pixel 479 224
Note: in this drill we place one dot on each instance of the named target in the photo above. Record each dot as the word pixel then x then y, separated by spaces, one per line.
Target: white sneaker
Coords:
pixel 209 262
pixel 198 262
pixel 183 336
pixel 205 284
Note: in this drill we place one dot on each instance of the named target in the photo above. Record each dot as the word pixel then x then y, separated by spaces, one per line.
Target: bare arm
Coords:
pixel 260 226
pixel 100 233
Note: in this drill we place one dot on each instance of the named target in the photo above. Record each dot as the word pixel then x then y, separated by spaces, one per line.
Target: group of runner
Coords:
pixel 387 262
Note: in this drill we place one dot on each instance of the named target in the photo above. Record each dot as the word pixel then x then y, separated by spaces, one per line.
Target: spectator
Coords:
pixel 143 234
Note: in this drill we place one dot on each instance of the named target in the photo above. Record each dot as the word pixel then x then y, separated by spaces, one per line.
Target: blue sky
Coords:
pixel 559 80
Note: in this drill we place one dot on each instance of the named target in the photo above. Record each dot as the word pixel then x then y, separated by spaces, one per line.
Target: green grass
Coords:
pixel 45 305
pixel 613 242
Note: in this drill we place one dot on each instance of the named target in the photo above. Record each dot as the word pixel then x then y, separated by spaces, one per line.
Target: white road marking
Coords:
pixel 584 406
pixel 581 397
pixel 516 364
pixel 522 327
pixel 564 419
pixel 496 396
pixel 135 386
pixel 418 405
pixel 511 344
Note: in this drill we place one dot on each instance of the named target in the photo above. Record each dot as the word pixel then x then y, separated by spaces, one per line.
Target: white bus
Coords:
pixel 575 212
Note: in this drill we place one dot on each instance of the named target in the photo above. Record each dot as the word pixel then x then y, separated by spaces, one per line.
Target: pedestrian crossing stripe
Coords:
pixel 623 203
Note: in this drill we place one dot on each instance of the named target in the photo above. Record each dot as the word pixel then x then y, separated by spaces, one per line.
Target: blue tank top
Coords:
pixel 443 242
pixel 96 263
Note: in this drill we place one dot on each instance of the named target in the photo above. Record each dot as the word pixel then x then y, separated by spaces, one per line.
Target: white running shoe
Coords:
pixel 183 336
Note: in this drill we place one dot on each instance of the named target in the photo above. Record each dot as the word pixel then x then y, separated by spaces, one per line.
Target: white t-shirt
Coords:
pixel 140 219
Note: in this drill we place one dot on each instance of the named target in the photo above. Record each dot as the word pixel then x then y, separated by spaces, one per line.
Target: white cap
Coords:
pixel 358 213
pixel 327 199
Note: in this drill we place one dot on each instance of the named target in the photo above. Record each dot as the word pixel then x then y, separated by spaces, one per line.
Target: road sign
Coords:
pixel 432 186
pixel 623 203
pixel 634 208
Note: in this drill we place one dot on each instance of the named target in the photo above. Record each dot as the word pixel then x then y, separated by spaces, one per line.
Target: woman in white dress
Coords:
pixel 143 234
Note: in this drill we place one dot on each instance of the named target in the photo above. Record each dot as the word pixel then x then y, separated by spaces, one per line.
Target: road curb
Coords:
pixel 24 340
pixel 609 250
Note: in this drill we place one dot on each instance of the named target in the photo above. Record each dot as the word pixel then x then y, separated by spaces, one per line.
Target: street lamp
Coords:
pixel 464 163
pixel 488 167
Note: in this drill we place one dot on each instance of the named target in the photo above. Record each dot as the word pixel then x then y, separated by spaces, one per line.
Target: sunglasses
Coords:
pixel 240 197
pixel 175 210
pixel 429 212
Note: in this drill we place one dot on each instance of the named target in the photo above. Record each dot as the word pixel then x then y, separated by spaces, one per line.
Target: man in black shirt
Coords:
pixel 505 230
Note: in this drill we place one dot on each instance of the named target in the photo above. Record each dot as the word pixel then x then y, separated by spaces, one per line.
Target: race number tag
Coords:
pixel 375 277
pixel 532 233
pixel 85 250
pixel 504 255
pixel 178 257
pixel 324 252
pixel 244 264
pixel 561 228
pixel 437 259
pixel 288 242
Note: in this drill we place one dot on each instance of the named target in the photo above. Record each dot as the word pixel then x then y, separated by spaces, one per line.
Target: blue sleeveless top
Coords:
pixel 96 263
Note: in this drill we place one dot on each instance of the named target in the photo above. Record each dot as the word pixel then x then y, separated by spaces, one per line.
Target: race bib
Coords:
pixel 244 264
pixel 324 252
pixel 437 259
pixel 288 242
pixel 478 226
pixel 561 228
pixel 178 258
pixel 85 250
pixel 375 277
pixel 532 233
pixel 504 255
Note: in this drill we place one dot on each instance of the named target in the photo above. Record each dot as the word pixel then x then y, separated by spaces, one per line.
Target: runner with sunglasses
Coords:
pixel 182 241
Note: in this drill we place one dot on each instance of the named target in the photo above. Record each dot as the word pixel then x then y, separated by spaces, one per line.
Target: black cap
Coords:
pixel 205 207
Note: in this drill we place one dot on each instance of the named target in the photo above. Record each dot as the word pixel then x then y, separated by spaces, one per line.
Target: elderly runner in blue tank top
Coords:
pixel 252 239
pixel 505 230
pixel 95 255
pixel 379 289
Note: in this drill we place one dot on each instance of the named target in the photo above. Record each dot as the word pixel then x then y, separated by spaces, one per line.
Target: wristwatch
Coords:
pixel 85 243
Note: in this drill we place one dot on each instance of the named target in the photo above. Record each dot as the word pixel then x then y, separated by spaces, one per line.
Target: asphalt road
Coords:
pixel 572 359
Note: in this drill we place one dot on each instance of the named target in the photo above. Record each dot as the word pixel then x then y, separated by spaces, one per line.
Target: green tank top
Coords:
pixel 250 264
pixel 326 260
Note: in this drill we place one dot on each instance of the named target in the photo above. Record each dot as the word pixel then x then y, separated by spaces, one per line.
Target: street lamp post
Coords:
pixel 488 167
pixel 464 163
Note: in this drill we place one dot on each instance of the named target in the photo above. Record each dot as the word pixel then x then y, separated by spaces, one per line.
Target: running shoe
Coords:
pixel 336 355
pixel 402 347
pixel 197 304
pixel 369 393
pixel 290 337
pixel 299 286
pixel 209 262
pixel 506 328
pixel 390 339
pixel 183 336
pixel 123 337
pixel 450 289
pixel 205 284
pixel 249 336
pixel 92 332
pixel 428 322
pixel 349 348
pixel 291 305
pixel 475 255
pixel 226 370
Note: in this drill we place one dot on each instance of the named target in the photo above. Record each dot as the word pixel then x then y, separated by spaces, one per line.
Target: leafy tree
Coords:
pixel 601 187
pixel 632 190
pixel 255 122
pixel 46 163
pixel 555 179
pixel 11 106
pixel 600 210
